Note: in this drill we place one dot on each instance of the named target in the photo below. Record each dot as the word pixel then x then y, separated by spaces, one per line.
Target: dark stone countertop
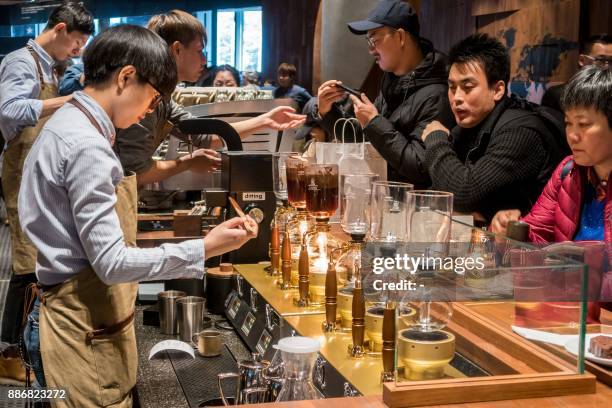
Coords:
pixel 157 384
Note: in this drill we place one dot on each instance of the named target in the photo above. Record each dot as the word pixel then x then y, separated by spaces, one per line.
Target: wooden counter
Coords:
pixel 601 399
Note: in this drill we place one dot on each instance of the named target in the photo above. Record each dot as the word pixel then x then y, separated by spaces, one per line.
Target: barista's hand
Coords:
pixel 283 117
pixel 431 127
pixel 365 110
pixel 500 221
pixel 228 236
pixel 327 94
pixel 203 160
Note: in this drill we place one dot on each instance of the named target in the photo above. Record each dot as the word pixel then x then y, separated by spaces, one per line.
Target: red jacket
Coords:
pixel 555 217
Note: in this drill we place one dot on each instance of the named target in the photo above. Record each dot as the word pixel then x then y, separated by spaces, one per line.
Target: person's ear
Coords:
pixel 499 90
pixel 59 27
pixel 175 47
pixel 582 60
pixel 402 36
pixel 127 73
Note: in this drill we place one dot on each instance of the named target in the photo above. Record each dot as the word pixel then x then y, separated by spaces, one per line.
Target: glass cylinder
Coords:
pixel 279 174
pixel 322 190
pixel 389 209
pixel 296 180
pixel 355 203
pixel 429 221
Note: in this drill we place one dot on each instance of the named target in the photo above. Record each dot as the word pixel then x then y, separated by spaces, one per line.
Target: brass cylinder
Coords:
pixel 345 307
pixel 425 354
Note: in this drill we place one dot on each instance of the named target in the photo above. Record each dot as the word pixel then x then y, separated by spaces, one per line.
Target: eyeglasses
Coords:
pixel 601 61
pixel 373 42
pixel 158 98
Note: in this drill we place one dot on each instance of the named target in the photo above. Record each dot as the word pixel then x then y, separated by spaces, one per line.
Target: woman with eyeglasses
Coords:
pixel 79 209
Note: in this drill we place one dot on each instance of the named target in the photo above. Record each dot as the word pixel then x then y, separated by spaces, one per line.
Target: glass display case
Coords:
pixel 491 312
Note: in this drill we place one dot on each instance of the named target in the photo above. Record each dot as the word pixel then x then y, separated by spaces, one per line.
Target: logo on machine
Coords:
pixel 254 196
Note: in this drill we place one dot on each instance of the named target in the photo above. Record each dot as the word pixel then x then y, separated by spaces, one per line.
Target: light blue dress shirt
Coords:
pixel 67 207
pixel 20 88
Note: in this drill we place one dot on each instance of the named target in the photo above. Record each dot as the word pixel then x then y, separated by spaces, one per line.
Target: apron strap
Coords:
pixel 112 329
pixel 38 67
pixel 88 114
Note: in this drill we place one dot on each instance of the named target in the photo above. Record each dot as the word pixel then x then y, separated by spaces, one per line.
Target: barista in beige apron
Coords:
pixel 87 327
pixel 23 253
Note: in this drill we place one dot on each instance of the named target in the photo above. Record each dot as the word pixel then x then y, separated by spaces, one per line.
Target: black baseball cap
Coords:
pixel 389 13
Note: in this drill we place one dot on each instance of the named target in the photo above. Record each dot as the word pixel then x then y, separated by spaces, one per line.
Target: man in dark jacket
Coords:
pixel 502 152
pixel 413 91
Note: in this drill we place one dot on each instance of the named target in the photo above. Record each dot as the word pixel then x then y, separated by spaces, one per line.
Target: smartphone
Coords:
pixel 350 90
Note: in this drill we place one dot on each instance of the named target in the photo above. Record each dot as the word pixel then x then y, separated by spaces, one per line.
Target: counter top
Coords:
pixel 157 384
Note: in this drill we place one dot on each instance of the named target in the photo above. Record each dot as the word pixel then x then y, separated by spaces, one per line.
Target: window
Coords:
pixel 239 38
pixel 234 35
pixel 251 41
pixel 226 38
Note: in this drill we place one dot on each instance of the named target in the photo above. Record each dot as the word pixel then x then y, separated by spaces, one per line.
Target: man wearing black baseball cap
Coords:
pixel 413 90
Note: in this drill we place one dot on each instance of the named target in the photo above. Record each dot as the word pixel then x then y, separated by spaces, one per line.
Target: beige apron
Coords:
pixel 87 338
pixel 23 252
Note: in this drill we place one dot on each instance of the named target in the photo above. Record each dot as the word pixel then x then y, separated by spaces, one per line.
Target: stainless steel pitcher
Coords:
pixel 251 386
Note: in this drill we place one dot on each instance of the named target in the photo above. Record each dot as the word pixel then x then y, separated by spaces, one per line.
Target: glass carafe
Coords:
pixel 299 355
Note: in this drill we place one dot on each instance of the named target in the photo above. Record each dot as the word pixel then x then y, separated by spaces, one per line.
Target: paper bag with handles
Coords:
pixel 359 157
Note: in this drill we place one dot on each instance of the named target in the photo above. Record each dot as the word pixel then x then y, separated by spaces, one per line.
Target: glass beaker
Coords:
pixel 299 355
pixel 355 203
pixel 279 174
pixel 389 209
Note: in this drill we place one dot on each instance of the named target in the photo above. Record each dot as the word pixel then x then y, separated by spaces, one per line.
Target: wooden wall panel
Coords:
pixel 542 40
pixel 446 22
pixel 288 36
pixel 316 53
pixel 600 17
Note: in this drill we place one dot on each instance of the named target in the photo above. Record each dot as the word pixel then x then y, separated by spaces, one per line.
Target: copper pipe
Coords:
pixel 286 262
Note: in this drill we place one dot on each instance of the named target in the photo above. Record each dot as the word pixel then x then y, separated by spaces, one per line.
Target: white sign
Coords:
pixel 172 345
pixel 254 196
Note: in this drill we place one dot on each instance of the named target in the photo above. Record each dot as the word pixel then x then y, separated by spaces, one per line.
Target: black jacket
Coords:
pixel 406 105
pixel 501 164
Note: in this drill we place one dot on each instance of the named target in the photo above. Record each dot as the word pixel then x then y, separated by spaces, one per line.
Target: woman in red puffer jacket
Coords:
pixel 576 204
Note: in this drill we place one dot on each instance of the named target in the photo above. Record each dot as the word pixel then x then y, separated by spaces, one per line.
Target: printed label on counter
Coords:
pixel 254 196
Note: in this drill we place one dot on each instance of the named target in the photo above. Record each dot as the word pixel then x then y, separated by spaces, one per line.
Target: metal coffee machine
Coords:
pixel 247 177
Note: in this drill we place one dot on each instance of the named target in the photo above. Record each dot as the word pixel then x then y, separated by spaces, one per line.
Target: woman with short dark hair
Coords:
pixel 576 204
pixel 226 75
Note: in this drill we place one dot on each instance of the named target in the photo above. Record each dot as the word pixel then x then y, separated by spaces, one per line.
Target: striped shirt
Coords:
pixel 20 88
pixel 67 207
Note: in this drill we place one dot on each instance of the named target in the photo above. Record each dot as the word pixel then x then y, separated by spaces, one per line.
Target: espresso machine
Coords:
pixel 247 177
